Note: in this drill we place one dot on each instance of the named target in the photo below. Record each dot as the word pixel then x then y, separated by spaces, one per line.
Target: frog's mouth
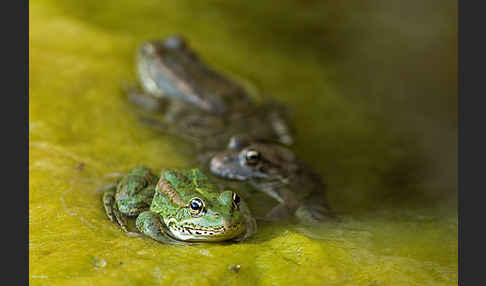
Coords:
pixel 194 232
pixel 227 166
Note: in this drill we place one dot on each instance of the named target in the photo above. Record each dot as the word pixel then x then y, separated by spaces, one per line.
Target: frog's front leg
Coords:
pixel 129 198
pixel 286 198
pixel 314 209
pixel 143 100
pixel 277 213
pixel 251 226
pixel 111 208
pixel 271 188
pixel 149 223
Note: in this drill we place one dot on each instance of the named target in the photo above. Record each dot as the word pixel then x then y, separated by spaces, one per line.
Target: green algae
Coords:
pixel 82 134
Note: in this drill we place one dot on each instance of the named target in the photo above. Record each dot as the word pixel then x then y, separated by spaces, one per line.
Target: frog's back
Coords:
pixel 190 182
pixel 180 73
pixel 137 177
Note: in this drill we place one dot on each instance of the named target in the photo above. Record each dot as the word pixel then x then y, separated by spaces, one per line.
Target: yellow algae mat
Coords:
pixel 82 134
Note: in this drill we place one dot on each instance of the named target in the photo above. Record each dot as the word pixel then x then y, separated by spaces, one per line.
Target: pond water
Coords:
pixel 397 210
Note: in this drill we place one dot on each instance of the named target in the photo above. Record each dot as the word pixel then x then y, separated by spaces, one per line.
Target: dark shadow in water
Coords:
pixel 397 59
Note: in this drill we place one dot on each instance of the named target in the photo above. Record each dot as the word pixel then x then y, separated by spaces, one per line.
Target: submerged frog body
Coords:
pixel 275 170
pixel 178 206
pixel 198 103
pixel 183 97
pixel 171 69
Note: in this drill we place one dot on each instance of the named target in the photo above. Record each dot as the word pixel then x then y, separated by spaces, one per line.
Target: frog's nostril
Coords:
pixel 216 164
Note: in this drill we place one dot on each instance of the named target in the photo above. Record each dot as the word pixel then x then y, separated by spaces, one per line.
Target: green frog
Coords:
pixel 178 207
pixel 275 170
pixel 183 96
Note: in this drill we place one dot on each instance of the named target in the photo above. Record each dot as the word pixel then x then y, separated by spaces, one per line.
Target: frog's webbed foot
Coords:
pixel 149 224
pixel 251 229
pixel 314 210
pixel 271 188
pixel 111 209
pixel 251 225
pixel 277 213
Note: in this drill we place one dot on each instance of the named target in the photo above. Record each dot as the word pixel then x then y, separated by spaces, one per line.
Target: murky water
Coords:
pixel 392 184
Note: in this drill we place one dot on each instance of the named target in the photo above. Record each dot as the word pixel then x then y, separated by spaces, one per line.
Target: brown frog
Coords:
pixel 275 170
pixel 191 100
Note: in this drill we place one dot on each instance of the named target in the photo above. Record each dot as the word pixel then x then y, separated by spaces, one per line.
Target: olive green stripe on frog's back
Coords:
pixel 165 187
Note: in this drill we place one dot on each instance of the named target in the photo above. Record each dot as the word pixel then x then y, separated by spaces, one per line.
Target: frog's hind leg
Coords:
pixel 149 223
pixel 111 208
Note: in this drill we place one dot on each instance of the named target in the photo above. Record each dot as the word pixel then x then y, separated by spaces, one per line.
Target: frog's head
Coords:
pixel 246 160
pixel 171 68
pixel 155 49
pixel 193 209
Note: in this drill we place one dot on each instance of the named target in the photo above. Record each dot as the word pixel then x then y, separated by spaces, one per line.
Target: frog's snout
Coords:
pixel 217 164
pixel 227 166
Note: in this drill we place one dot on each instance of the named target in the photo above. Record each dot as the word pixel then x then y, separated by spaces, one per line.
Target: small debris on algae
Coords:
pixel 205 252
pixel 80 166
pixel 133 234
pixel 235 268
pixel 99 262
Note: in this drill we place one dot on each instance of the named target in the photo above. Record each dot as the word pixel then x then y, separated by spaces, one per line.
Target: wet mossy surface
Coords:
pixel 390 229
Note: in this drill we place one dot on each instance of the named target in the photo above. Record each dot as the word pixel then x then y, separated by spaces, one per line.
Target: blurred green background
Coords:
pixel 373 87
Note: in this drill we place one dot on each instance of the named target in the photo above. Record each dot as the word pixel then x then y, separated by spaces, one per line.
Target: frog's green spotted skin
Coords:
pixel 179 206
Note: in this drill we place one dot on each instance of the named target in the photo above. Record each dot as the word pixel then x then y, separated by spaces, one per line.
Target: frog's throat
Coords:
pixel 194 232
pixel 165 187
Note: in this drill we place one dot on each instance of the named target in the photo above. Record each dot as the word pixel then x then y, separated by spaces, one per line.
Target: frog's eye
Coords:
pixel 196 207
pixel 236 200
pixel 252 157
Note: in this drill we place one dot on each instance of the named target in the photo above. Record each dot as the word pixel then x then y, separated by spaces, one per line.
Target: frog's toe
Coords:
pixel 313 214
pixel 251 228
pixel 120 219
pixel 149 224
pixel 142 100
pixel 108 202
pixel 112 211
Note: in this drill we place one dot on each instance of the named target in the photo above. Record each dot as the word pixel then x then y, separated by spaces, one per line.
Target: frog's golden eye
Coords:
pixel 196 207
pixel 252 157
pixel 236 200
